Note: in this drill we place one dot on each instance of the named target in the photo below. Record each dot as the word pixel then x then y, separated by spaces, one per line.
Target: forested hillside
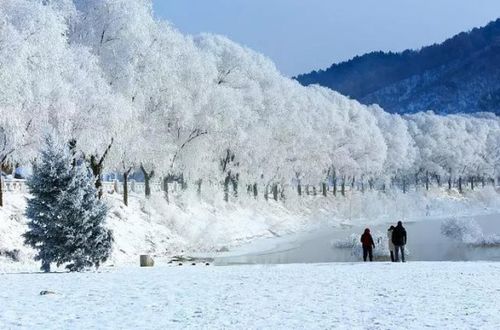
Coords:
pixel 461 75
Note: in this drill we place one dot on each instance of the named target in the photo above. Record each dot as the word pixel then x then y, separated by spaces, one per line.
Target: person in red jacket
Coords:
pixel 368 244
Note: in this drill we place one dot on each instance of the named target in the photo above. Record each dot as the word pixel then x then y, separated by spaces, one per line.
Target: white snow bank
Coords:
pixel 189 225
pixel 303 296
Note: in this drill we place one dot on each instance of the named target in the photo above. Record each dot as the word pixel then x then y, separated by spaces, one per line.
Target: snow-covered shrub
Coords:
pixel 469 232
pixel 347 243
pixel 66 219
pixel 353 243
pixel 491 240
pixel 462 230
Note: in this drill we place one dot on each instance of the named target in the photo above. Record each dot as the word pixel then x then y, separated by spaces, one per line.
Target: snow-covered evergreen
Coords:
pixel 66 219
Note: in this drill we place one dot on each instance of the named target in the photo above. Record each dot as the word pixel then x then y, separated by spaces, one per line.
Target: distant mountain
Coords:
pixel 460 75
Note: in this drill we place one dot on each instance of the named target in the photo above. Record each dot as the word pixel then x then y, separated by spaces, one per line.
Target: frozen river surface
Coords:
pixel 426 242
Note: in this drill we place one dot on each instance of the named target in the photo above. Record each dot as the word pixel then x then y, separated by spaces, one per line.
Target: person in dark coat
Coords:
pixel 368 244
pixel 399 240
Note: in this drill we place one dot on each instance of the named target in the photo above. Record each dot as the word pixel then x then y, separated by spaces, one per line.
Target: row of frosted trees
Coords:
pixel 132 94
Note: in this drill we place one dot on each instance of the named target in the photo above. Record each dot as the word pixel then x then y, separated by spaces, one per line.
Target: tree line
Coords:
pixel 129 92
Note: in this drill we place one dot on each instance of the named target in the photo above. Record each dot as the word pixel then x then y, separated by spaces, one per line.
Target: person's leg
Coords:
pixel 370 253
pixel 392 256
pixel 365 253
pixel 396 253
pixel 403 253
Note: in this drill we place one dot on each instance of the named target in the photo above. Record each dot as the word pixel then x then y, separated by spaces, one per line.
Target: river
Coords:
pixel 426 242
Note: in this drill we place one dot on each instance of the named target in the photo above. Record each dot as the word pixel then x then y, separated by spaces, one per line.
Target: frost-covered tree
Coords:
pixel 136 94
pixel 400 144
pixel 66 220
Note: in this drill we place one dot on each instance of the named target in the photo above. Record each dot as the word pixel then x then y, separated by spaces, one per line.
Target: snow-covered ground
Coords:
pixel 380 295
pixel 188 225
pixel 314 296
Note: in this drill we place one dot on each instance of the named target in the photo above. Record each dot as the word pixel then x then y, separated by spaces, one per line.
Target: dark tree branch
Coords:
pixel 192 136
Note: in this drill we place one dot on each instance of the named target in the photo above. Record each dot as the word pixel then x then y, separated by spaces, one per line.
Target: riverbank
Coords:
pixel 193 224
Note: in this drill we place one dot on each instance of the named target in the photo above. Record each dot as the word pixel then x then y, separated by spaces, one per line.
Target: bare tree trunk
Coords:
pixel 230 177
pixel 255 191
pixel 147 180
pixel 472 182
pixel 183 182
pixel 166 188
pixel 1 190
pixel 299 189
pixel 282 193
pixel 427 180
pixel 234 181
pixel 314 191
pixel 342 187
pixel 334 181
pixel 97 166
pixel 199 182
pixel 125 186
pixel 147 187
pixel 460 184
pixel 275 192
pixel 323 188
pixel 449 183
pixel 45 266
pixel 96 171
pixel 404 186
pixel 226 187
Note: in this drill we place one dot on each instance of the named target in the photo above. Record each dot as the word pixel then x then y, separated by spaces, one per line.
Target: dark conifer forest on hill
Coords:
pixel 460 75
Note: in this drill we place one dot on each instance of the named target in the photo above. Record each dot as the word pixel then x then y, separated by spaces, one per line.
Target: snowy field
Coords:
pixel 339 295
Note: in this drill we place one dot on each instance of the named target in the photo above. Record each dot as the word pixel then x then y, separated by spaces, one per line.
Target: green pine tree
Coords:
pixel 66 219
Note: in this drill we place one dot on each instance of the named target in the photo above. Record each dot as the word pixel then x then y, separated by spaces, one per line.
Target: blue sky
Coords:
pixel 302 35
